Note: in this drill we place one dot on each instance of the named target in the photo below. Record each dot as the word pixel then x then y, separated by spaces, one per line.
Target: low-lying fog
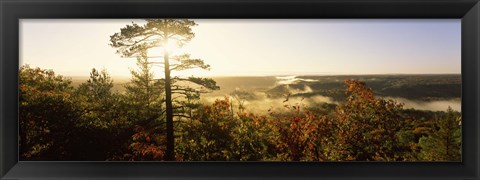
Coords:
pixel 259 102
pixel 431 105
pixel 262 103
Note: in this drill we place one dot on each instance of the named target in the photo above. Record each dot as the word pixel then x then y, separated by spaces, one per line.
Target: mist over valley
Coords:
pixel 262 93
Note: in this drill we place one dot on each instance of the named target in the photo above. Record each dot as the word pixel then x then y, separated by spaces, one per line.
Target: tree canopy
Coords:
pixel 135 41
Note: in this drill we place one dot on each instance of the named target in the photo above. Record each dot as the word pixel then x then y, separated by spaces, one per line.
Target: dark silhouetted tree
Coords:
pixel 144 93
pixel 47 115
pixel 96 99
pixel 144 99
pixel 208 136
pixel 444 142
pixel 135 40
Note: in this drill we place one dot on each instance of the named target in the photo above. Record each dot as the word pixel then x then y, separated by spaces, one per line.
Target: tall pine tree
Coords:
pixel 134 40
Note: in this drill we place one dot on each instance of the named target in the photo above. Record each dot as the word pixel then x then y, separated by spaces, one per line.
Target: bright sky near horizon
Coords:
pixel 258 47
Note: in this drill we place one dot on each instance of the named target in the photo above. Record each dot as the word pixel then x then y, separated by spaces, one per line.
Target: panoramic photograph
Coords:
pixel 286 90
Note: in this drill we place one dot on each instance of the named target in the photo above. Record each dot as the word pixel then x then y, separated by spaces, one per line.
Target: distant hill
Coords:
pixel 230 84
pixel 416 87
pixel 227 84
pixel 118 82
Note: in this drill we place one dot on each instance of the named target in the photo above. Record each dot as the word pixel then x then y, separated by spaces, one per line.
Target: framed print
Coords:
pixel 240 89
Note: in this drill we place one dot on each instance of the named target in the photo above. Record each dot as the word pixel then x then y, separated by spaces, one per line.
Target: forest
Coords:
pixel 169 118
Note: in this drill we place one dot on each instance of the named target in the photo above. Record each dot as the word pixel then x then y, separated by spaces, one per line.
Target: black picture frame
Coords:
pixel 13 10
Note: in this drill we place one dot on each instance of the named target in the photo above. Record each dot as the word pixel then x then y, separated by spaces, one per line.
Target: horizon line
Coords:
pixel 296 75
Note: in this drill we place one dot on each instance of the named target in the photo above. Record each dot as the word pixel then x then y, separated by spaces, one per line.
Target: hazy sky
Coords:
pixel 258 47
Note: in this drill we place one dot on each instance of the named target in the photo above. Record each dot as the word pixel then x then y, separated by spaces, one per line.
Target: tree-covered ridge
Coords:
pixel 419 87
pixel 91 122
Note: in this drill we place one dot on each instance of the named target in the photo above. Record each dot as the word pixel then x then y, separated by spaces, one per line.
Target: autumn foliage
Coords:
pixel 90 122
pixel 367 126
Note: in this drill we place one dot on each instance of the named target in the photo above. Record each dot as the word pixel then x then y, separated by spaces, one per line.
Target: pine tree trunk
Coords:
pixel 170 154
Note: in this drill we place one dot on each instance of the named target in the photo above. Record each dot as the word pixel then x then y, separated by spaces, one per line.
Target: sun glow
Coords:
pixel 157 54
pixel 171 47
